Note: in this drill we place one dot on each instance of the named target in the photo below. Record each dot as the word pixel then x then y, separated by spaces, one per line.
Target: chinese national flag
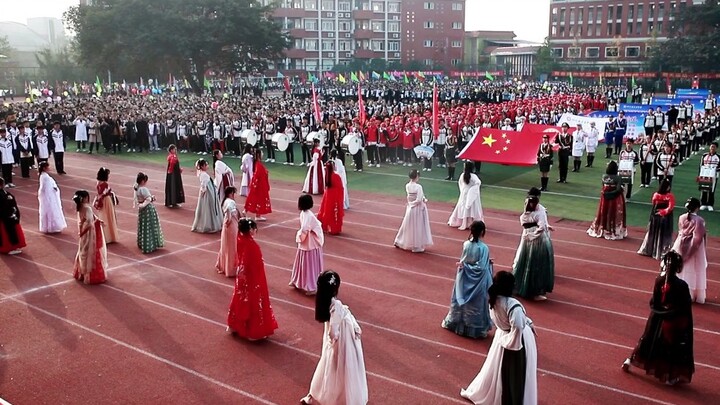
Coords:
pixel 286 84
pixel 503 147
pixel 550 130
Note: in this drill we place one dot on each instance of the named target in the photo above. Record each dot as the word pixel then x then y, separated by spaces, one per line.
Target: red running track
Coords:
pixel 155 331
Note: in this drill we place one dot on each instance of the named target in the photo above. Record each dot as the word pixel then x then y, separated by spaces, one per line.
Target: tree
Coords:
pixel 5 47
pixel 61 66
pixel 693 41
pixel 136 38
pixel 545 63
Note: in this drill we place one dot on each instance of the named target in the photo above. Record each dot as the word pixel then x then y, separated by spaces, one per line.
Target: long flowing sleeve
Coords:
pixel 416 189
pixel 518 321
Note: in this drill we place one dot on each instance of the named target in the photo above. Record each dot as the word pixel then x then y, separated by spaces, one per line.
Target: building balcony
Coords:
pixel 365 54
pixel 292 13
pixel 363 14
pixel 300 33
pixel 299 53
pixel 362 34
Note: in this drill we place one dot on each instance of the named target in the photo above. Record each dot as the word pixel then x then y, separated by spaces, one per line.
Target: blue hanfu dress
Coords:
pixel 469 313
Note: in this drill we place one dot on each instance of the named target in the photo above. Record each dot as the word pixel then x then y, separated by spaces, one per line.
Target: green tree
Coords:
pixel 5 47
pixel 414 65
pixel 61 66
pixel 693 41
pixel 545 63
pixel 136 38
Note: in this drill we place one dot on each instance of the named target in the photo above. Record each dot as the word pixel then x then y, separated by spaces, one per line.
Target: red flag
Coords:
pixel 503 147
pixel 436 112
pixel 361 107
pixel 669 86
pixel 550 130
pixel 286 83
pixel 696 83
pixel 316 105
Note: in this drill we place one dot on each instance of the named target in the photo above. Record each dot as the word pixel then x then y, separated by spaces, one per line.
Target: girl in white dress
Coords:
pixel 224 176
pixel 414 233
pixel 52 219
pixel 208 217
pixel 509 375
pixel 690 243
pixel 339 378
pixel 469 206
pixel 247 170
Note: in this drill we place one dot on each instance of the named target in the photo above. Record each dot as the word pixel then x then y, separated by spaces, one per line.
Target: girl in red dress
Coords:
pixel 258 199
pixel 91 258
pixel 250 315
pixel 174 192
pixel 12 238
pixel 332 206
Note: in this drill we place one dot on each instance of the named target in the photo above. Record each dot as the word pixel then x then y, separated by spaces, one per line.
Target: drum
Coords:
pixel 706 177
pixel 248 136
pixel 625 171
pixel 310 138
pixel 351 144
pixel 280 142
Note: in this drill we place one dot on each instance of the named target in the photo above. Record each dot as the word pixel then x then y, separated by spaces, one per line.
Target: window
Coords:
pixel 378 46
pixel 571 32
pixel 553 31
pixel 592 52
pixel 590 30
pixel 610 13
pixel 652 11
pixel 345 46
pixel 579 30
pixel 366 6
pixel 661 10
pixel 344 6
pixel 659 28
pixel 428 5
pixel 632 51
pixel 610 29
pixel 344 26
pixel 393 26
pixel 554 14
pixel 428 43
pixel 562 30
pixel 298 43
pixel 629 28
pixel 428 62
pixel 640 10
pixel 455 62
pixel 378 7
pixel 362 25
pixel 557 52
pixel 573 52
pixel 297 4
pixel 311 24
pixel 328 5
pixel 393 7
pixel 328 25
pixel 311 64
pixel 618 14
pixel 310 4
pixel 591 14
pixel 572 15
pixel 562 16
pixel 598 16
pixel 598 30
pixel 377 26
pixel 638 27
pixel 457 25
pixel 618 28
pixel 311 44
pixel 631 12
pixel 393 46
pixel 611 52
pixel 429 25
pixel 580 15
pixel 328 45
pixel 457 6
pixel 648 51
pixel 651 27
pixel 456 44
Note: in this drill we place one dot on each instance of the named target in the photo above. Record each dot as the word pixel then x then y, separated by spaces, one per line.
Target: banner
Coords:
pixel 692 93
pixel 572 120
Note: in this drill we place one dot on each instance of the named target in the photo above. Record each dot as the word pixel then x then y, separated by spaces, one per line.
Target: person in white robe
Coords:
pixel 509 374
pixel 469 205
pixel 690 243
pixel 247 170
pixel 340 170
pixel 224 176
pixel 52 218
pixel 414 233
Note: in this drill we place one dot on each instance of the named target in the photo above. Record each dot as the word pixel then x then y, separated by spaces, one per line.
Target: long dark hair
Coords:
pixel 503 285
pixel 672 262
pixel 228 190
pixel 305 202
pixel 329 171
pixel 467 171
pixel 328 284
pixel 43 167
pixel 612 168
pixel 692 204
pixel 245 225
pixel 257 156
pixel 79 198
pixel 139 179
pixel 477 230
pixel 247 149
pixel 664 187
pixel 216 152
pixel 531 203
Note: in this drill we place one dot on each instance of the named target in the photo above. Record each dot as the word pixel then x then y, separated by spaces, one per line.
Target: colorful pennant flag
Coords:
pixel 361 75
pixel 341 79
pixel 280 75
pixel 375 75
pixel 353 77
pixel 489 76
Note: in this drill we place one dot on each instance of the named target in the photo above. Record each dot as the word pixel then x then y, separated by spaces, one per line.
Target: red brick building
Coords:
pixel 611 35
pixel 334 32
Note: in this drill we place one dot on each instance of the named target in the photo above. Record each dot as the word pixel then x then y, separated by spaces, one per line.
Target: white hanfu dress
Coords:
pixel 247 174
pixel 690 243
pixel 514 331
pixel 414 233
pixel 224 177
pixel 52 219
pixel 469 206
pixel 339 378
pixel 340 170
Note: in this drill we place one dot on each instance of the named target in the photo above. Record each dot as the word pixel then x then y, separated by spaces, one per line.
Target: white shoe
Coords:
pixel 15 252
pixel 703 207
pixel 429 170
pixel 292 164
pixel 267 160
pixel 378 165
pixel 272 160
pixel 286 163
pixel 710 208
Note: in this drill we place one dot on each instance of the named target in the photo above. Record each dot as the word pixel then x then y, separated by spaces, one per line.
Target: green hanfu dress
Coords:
pixel 149 234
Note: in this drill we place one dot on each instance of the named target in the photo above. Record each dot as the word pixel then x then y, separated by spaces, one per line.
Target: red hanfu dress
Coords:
pixel 332 207
pixel 250 314
pixel 315 178
pixel 91 258
pixel 258 199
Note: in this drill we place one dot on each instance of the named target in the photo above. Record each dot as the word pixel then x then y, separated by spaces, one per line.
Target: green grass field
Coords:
pixel 504 187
